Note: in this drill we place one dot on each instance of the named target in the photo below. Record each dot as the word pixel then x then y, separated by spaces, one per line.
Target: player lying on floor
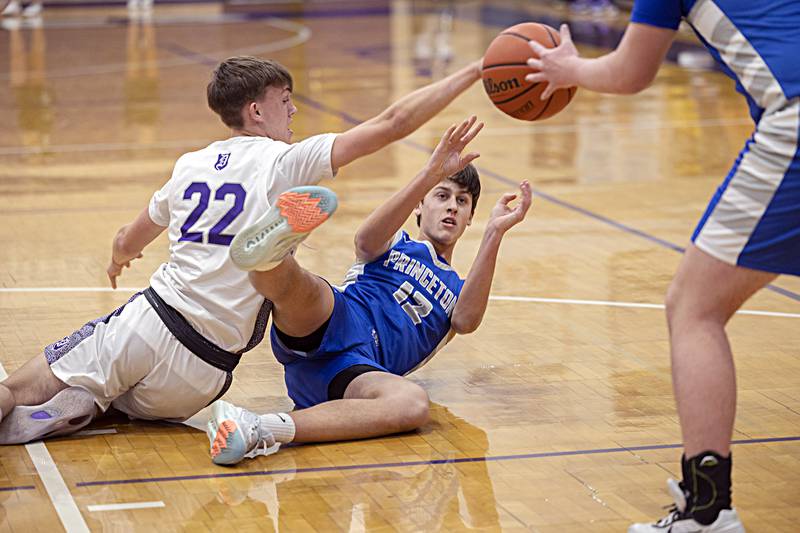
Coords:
pixel 171 350
pixel 346 349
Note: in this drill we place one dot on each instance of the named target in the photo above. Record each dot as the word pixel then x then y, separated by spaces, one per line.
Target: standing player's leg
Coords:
pixel 748 233
pixel 701 299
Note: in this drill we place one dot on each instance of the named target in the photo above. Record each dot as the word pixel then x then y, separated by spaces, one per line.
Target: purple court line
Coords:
pixel 205 60
pixel 367 466
pixel 22 487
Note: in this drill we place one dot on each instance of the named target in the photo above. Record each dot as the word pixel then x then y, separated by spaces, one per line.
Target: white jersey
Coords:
pixel 213 194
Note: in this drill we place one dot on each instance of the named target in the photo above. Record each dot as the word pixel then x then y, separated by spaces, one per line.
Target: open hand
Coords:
pixel 447 159
pixel 555 66
pixel 504 217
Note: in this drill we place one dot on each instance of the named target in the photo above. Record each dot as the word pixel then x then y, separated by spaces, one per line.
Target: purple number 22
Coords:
pixel 215 235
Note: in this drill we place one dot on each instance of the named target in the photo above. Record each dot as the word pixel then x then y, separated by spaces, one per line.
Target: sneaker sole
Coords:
pixel 227 443
pixel 296 213
pixel 65 413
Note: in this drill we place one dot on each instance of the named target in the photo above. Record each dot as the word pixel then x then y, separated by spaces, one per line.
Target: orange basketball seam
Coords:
pixel 517 95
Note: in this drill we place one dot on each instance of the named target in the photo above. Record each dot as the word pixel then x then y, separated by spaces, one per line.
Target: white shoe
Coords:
pixel 235 433
pixel 286 224
pixel 33 10
pixel 12 9
pixel 677 521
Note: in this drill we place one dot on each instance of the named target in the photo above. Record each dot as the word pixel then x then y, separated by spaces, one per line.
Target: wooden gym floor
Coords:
pixel 556 415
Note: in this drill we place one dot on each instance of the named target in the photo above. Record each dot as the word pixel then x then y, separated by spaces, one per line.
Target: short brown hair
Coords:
pixel 239 80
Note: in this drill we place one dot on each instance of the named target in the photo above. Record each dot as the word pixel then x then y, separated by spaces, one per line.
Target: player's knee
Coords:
pixel 7 401
pixel 685 308
pixel 672 303
pixel 413 409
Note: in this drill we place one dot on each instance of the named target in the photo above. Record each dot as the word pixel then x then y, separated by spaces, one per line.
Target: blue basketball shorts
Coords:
pixel 753 220
pixel 348 341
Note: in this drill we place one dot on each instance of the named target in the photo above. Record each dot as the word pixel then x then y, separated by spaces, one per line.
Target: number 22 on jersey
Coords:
pixel 215 235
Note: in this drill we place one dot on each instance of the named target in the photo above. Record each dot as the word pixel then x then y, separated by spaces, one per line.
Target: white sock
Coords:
pixel 280 425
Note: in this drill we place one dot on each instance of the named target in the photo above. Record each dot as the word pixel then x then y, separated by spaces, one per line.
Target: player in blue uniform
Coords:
pixel 346 349
pixel 749 233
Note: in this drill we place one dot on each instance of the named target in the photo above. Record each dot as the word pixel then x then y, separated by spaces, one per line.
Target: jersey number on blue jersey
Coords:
pixel 417 311
pixel 215 235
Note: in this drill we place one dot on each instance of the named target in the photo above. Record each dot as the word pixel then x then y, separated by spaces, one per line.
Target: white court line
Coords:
pixel 60 495
pixel 635 305
pixel 526 299
pixel 124 506
pixel 92 432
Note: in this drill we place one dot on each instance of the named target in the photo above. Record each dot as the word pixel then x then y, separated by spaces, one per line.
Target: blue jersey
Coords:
pixel 756 42
pixel 408 294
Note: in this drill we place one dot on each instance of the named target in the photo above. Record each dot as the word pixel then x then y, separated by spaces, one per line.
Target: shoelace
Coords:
pixel 674 515
pixel 263 448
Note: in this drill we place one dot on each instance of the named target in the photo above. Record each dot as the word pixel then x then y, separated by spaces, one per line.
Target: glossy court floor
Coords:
pixel 555 416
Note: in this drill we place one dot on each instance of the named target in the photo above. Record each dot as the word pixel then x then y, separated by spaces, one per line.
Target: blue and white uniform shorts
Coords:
pixel 753 220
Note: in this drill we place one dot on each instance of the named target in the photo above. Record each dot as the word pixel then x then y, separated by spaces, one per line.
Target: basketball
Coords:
pixel 504 69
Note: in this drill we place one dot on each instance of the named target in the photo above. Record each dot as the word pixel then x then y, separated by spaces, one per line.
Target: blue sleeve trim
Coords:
pixel 657 13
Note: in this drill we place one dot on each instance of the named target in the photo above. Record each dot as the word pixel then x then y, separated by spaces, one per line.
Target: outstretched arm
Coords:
pixel 373 237
pixel 471 305
pixel 402 117
pixel 628 69
pixel 129 243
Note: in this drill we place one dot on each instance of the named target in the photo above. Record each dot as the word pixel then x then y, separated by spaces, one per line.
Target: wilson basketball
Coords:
pixel 505 67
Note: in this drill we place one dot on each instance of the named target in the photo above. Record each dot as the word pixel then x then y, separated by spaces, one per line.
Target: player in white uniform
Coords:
pixel 171 350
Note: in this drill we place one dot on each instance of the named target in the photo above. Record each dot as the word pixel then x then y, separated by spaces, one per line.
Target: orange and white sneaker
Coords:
pixel 286 224
pixel 235 433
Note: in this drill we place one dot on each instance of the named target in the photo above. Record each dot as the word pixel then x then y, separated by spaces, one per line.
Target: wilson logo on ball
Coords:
pixel 494 87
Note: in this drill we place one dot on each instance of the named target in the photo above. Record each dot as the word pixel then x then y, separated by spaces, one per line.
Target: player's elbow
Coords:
pixel 636 84
pixel 364 250
pixel 464 325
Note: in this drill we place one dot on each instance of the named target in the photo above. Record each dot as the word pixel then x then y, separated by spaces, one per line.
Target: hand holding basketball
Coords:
pixel 553 65
pixel 446 158
pixel 506 73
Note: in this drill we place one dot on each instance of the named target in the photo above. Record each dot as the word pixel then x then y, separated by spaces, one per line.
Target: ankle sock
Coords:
pixel 280 425
pixel 707 479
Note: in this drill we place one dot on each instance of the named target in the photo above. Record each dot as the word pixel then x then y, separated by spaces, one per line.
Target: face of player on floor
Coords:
pixel 444 215
pixel 274 111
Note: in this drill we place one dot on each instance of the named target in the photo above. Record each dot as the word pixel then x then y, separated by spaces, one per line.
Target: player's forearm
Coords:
pixel 381 225
pixel 608 74
pixel 416 108
pixel 132 238
pixel 474 297
pixel 124 248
